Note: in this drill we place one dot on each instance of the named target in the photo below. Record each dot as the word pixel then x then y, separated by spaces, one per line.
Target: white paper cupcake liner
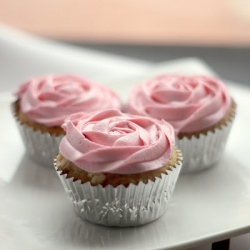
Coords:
pixel 41 147
pixel 204 152
pixel 122 206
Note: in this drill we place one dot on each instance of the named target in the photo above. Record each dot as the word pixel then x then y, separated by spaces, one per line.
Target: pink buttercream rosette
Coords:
pixel 190 104
pixel 48 100
pixel 113 142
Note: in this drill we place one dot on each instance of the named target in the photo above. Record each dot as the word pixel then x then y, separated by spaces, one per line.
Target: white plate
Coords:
pixel 35 212
pixel 206 207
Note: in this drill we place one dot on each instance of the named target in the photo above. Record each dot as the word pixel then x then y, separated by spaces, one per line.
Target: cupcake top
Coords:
pixel 109 141
pixel 48 100
pixel 188 103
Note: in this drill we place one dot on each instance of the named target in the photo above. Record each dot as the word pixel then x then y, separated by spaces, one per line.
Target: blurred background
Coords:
pixel 153 30
pixel 159 22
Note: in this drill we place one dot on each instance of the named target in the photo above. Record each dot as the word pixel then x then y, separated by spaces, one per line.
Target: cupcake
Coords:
pixel 118 169
pixel 44 102
pixel 199 108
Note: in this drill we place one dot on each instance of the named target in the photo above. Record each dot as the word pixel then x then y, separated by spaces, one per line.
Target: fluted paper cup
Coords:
pixel 41 147
pixel 122 206
pixel 204 152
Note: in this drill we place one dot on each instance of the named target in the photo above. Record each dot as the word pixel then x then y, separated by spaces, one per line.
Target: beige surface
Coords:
pixel 224 22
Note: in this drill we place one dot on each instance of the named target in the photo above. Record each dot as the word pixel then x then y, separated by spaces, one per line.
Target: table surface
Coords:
pixel 230 63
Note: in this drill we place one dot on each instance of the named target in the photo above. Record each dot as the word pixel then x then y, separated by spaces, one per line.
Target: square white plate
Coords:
pixel 206 207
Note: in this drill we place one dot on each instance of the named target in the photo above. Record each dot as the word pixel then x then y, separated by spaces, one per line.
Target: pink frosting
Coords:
pixel 113 142
pixel 50 99
pixel 188 103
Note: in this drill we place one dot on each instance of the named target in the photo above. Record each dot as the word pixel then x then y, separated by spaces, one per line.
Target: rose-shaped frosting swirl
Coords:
pixel 113 142
pixel 50 99
pixel 188 103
